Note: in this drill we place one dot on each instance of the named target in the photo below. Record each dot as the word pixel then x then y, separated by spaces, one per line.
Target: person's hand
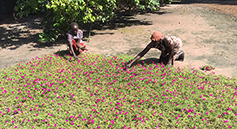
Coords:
pixel 170 64
pixel 76 58
pixel 83 48
pixel 127 66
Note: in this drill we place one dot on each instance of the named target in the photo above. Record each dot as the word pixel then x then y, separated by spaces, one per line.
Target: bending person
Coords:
pixel 170 48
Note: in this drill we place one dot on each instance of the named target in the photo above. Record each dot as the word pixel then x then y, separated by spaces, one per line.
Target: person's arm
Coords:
pixel 72 50
pixel 70 44
pixel 171 55
pixel 169 49
pixel 163 56
pixel 80 35
pixel 140 55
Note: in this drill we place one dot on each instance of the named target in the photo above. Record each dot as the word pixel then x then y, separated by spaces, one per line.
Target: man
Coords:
pixel 75 40
pixel 169 47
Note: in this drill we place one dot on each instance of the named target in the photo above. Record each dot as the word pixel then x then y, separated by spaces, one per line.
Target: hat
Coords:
pixel 156 36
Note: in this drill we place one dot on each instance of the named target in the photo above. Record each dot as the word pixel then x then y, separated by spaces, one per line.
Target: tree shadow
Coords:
pixel 18 32
pixel 122 19
pixel 6 8
pixel 15 33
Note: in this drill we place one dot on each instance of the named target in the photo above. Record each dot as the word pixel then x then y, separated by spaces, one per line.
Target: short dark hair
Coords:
pixel 73 24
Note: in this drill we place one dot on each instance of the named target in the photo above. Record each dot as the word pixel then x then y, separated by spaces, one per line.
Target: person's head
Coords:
pixel 156 37
pixel 74 27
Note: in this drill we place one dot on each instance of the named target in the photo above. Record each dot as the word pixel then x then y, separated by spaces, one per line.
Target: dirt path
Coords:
pixel 209 37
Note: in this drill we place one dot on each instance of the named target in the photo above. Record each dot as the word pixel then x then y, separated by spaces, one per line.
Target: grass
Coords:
pixel 55 91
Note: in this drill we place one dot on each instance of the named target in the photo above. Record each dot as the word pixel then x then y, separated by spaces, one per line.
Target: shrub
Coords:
pixel 58 14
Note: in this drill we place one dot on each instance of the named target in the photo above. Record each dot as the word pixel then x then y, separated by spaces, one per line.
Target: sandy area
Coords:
pixel 208 32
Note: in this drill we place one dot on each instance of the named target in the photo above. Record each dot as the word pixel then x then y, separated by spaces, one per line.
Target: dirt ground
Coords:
pixel 208 32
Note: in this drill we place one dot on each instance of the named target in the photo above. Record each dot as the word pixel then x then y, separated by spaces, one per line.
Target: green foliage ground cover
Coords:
pixel 56 91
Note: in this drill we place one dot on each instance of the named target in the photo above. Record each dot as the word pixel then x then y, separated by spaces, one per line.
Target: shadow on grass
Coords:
pixel 64 54
pixel 149 61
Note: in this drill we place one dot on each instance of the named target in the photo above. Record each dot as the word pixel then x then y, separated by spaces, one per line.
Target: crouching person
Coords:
pixel 75 43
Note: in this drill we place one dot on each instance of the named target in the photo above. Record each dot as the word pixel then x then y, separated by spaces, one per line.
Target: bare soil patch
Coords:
pixel 209 37
pixel 227 7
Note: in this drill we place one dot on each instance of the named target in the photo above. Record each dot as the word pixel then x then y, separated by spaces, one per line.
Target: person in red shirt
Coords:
pixel 75 43
pixel 170 47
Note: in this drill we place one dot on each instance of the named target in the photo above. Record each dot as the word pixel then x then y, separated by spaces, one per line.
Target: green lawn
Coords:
pixel 56 91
